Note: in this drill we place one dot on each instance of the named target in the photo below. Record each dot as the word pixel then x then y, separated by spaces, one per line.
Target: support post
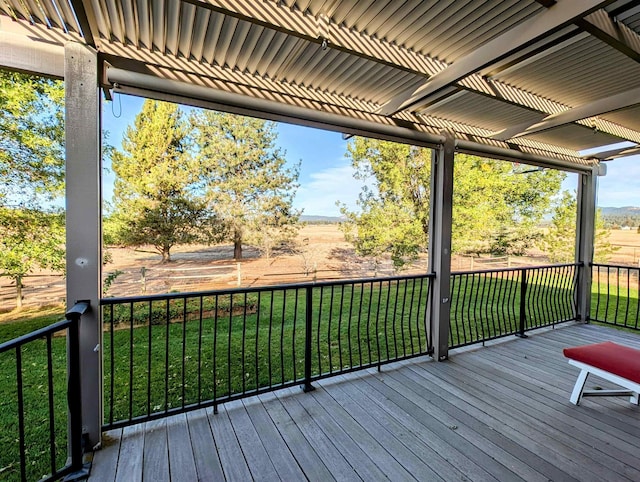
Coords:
pixel 83 222
pixel 440 245
pixel 585 238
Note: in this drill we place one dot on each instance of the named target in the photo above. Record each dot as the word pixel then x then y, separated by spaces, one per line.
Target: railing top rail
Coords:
pixel 603 265
pixel 34 335
pixel 77 310
pixel 519 268
pixel 279 287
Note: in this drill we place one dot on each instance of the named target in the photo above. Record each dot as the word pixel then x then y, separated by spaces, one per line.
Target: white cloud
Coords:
pixel 326 186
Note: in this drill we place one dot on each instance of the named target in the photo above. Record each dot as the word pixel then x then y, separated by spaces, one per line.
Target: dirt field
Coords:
pixel 628 242
pixel 322 254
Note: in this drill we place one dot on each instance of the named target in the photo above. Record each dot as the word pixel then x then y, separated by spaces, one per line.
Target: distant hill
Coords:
pixel 620 217
pixel 623 211
pixel 311 219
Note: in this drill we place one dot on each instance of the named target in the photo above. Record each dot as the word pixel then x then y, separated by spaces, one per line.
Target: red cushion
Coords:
pixel 610 357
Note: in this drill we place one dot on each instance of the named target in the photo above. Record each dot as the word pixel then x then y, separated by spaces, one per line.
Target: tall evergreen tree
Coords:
pixel 245 178
pixel 155 201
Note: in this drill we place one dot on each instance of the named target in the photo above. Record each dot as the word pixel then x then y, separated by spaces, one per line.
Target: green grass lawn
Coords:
pixel 228 346
pixel 216 347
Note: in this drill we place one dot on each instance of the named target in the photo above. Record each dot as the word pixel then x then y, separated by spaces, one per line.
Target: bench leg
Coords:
pixel 576 395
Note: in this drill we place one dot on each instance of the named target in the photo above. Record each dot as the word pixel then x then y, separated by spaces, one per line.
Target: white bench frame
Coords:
pixel 633 389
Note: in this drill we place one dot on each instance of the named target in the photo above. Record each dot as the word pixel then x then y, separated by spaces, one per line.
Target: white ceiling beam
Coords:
pixel 545 23
pixel 533 54
pixel 22 53
pixel 592 109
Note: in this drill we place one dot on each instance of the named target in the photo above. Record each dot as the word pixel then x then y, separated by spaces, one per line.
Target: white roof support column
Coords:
pixel 440 245
pixel 83 210
pixel 585 239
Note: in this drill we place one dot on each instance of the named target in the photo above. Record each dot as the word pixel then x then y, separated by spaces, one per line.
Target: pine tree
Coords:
pixel 155 197
pixel 246 181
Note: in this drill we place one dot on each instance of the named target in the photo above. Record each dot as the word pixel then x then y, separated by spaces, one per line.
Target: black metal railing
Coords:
pixel 615 292
pixel 167 354
pixel 494 303
pixel 40 409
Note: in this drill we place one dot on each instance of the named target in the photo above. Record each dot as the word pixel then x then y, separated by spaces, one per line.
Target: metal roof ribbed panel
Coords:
pixel 443 30
pixel 628 117
pixel 575 137
pixel 480 111
pixel 375 51
pixel 582 72
pixel 56 14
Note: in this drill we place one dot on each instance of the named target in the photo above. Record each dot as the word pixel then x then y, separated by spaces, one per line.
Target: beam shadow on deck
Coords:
pixel 499 412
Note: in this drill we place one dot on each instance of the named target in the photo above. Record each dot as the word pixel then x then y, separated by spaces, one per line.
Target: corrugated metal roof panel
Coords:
pixel 376 50
pixel 628 117
pixel 582 72
pixel 575 137
pixel 481 111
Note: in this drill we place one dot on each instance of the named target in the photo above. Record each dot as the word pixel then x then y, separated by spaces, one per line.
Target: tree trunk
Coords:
pixel 19 293
pixel 166 254
pixel 237 245
pixel 237 249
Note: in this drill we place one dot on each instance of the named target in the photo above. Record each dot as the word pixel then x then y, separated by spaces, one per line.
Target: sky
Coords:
pixel 326 175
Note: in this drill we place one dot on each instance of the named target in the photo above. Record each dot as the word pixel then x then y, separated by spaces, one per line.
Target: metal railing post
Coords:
pixel 79 470
pixel 523 303
pixel 74 398
pixel 307 387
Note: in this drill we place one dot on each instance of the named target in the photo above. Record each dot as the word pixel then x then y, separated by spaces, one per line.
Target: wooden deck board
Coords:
pixel 275 446
pixel 155 461
pixel 131 454
pixel 231 456
pixel 105 461
pixel 322 447
pixel 499 412
pixel 290 429
pixel 181 462
pixel 534 425
pixel 203 459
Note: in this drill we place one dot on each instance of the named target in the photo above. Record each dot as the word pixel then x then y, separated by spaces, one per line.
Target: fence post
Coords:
pixel 307 387
pixel 523 304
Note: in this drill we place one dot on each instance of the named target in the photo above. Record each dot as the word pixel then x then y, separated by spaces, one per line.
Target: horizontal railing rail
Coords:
pixel 615 292
pixel 166 354
pixel 494 303
pixel 41 409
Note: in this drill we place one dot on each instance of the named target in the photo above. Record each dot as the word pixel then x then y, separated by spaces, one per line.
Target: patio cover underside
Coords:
pixel 537 81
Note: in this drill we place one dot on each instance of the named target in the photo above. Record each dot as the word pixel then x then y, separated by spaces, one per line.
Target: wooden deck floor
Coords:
pixel 500 412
